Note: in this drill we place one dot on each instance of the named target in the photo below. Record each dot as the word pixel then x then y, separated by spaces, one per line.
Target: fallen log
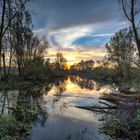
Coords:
pixel 97 108
pixel 111 100
pixel 73 96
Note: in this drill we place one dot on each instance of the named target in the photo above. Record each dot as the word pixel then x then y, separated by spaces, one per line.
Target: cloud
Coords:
pixel 78 28
pixel 57 14
pixel 63 38
pixel 81 42
pixel 76 56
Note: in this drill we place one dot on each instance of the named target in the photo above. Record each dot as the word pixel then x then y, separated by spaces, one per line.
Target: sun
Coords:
pixel 68 66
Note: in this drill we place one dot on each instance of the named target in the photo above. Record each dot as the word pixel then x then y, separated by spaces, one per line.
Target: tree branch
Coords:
pixel 124 10
pixel 138 24
pixel 13 18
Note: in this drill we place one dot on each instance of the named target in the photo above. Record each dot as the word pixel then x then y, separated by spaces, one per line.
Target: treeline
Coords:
pixel 19 47
pixel 83 65
pixel 40 69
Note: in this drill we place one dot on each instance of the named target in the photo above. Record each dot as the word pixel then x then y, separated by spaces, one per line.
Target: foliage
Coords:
pixel 60 62
pixel 34 69
pixel 59 67
pixel 15 23
pixel 83 65
pixel 118 127
pixel 121 52
pixel 10 129
pixel 104 73
pixel 17 40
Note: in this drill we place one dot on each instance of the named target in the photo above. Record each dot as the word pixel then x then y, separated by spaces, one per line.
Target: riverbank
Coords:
pixel 16 82
pixel 121 115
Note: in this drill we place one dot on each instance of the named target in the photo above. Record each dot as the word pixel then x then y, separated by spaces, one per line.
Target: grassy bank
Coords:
pixel 124 122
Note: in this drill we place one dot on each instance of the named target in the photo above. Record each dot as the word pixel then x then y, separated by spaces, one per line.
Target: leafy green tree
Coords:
pixel 121 52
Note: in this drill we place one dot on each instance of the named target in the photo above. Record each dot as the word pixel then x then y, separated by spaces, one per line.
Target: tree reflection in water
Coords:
pixel 27 106
pixel 85 83
pixel 60 86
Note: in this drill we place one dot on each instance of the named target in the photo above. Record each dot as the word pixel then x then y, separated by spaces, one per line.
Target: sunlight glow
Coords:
pixel 76 56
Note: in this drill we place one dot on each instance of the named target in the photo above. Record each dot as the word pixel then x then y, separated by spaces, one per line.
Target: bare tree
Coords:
pixel 131 9
pixel 8 12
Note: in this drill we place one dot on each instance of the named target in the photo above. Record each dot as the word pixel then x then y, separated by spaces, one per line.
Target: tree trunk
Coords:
pixel 136 37
pixel 134 25
pixel 1 32
pixel 4 66
pixel 0 58
pixel 19 67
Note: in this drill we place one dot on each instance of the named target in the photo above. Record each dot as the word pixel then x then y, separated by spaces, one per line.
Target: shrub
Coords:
pixel 35 69
pixel 117 127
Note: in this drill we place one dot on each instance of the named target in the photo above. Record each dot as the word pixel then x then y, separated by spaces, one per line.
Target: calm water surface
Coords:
pixel 51 111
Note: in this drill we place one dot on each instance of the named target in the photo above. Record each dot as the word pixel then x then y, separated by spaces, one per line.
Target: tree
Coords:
pixel 89 65
pixel 121 51
pixel 131 9
pixel 22 36
pixel 61 62
pixel 83 65
pixel 9 11
pixel 33 64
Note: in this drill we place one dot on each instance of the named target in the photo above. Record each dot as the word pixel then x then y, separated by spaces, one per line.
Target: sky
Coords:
pixel 77 28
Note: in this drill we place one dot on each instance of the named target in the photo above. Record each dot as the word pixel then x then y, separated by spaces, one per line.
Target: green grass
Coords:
pixel 10 85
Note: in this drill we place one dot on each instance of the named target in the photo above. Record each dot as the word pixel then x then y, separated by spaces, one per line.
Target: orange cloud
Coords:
pixel 76 55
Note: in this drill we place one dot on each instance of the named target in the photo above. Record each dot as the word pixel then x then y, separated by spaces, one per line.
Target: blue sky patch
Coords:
pixel 90 41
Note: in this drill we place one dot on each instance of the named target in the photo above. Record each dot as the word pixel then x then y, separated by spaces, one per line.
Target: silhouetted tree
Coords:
pixel 121 51
pixel 60 62
pixel 131 9
pixel 9 11
pixel 83 65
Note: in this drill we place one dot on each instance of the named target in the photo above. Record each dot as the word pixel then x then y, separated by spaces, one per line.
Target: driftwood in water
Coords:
pixel 106 103
pixel 60 95
pixel 111 102
pixel 116 98
pixel 98 108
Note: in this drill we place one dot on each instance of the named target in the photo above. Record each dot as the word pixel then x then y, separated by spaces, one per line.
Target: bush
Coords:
pixel 117 127
pixel 35 69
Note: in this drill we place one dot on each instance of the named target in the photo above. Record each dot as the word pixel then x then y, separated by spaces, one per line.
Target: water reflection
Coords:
pixel 48 110
pixel 7 101
pixel 26 106
pixel 60 86
pixel 85 83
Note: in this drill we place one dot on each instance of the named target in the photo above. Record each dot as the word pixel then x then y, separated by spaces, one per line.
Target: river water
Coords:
pixel 51 111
